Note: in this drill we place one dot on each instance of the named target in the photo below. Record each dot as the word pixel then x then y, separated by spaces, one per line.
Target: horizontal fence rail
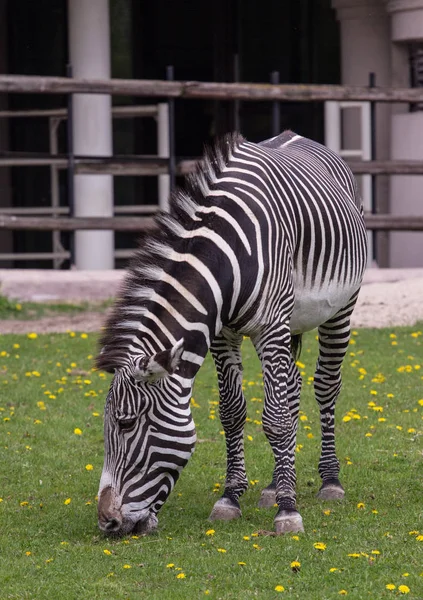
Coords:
pixel 156 166
pixel 147 224
pixel 149 165
pixel 206 90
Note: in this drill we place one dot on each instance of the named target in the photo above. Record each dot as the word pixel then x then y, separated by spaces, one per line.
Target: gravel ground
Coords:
pixel 388 298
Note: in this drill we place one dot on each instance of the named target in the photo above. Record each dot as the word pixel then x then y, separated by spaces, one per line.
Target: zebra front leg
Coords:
pixel 333 344
pixel 268 495
pixel 226 351
pixel 279 424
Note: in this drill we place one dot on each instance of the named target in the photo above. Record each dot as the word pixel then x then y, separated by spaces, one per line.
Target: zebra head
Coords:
pixel 149 435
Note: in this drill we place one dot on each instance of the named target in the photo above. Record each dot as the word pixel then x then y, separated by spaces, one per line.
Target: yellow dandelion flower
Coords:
pixel 126 566
pixel 295 565
pixel 406 574
pixel 222 550
pixel 246 537
pixel 375 552
pixel 67 501
pixel 84 336
pixel 250 438
pixel 320 546
pixel 28 553
pixel 346 418
pixel 107 552
pixel 180 576
pixel 343 592
pixel 77 431
pixel 279 588
pixel 327 512
pixel 89 467
pixel 32 335
pixel 333 569
pixel 296 538
pixel 404 589
pixel 242 564
pixel 354 555
pixel 419 538
pixel 210 532
pixel 390 586
pixel 361 505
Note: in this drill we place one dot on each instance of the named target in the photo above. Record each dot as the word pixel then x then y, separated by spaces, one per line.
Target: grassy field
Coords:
pixel 11 309
pixel 368 547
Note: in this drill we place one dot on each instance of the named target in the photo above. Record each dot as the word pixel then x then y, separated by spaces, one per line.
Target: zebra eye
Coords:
pixel 127 424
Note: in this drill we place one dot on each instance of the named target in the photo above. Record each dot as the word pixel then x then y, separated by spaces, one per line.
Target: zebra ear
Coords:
pixel 152 368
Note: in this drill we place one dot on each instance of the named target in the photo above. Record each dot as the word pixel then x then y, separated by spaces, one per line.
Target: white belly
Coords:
pixel 313 307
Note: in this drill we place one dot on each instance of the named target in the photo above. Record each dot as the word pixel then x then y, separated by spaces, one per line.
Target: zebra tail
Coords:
pixel 296 345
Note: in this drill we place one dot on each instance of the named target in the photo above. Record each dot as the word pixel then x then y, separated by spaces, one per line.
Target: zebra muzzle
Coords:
pixel 109 518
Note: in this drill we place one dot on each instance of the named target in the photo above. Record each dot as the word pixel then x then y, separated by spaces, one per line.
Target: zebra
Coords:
pixel 265 240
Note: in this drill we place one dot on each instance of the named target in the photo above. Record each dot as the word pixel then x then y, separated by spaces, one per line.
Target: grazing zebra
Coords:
pixel 267 241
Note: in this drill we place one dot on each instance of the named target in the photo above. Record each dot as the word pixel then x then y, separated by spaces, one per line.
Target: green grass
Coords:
pixel 12 309
pixel 50 549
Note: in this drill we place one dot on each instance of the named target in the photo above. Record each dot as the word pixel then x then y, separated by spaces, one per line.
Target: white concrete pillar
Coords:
pixel 406 248
pixel 89 50
pixel 365 48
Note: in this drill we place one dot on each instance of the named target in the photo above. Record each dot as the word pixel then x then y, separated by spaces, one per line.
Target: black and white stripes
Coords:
pixel 267 240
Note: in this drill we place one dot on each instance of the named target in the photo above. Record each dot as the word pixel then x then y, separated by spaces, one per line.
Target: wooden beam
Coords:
pixel 205 90
pixel 386 167
pixel 137 224
pixel 144 224
pixel 393 222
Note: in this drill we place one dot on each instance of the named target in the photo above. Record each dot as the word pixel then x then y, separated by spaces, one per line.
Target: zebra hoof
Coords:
pixel 225 509
pixel 267 498
pixel 288 522
pixel 331 492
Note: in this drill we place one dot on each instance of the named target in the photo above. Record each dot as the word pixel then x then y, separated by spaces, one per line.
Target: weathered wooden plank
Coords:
pixel 141 224
pixel 200 89
pixel 394 222
pixel 387 167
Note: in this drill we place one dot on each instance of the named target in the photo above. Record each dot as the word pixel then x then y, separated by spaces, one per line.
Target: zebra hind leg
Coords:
pixel 273 348
pixel 334 338
pixel 226 351
pixel 268 494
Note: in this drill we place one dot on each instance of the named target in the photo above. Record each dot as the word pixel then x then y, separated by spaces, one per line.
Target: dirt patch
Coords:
pixel 380 304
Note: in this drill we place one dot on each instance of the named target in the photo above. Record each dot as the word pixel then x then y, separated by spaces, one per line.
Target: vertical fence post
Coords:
pixel 171 103
pixel 71 169
pixel 372 83
pixel 276 113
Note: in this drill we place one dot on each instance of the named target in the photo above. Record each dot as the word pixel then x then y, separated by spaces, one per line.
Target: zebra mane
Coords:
pixel 148 260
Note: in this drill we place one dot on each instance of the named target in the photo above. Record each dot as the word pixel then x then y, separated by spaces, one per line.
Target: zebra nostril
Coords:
pixel 113 524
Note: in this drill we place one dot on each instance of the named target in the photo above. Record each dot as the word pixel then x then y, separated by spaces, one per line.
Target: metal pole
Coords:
pixel 53 124
pixel 372 83
pixel 71 168
pixel 163 151
pixel 171 104
pixel 276 114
